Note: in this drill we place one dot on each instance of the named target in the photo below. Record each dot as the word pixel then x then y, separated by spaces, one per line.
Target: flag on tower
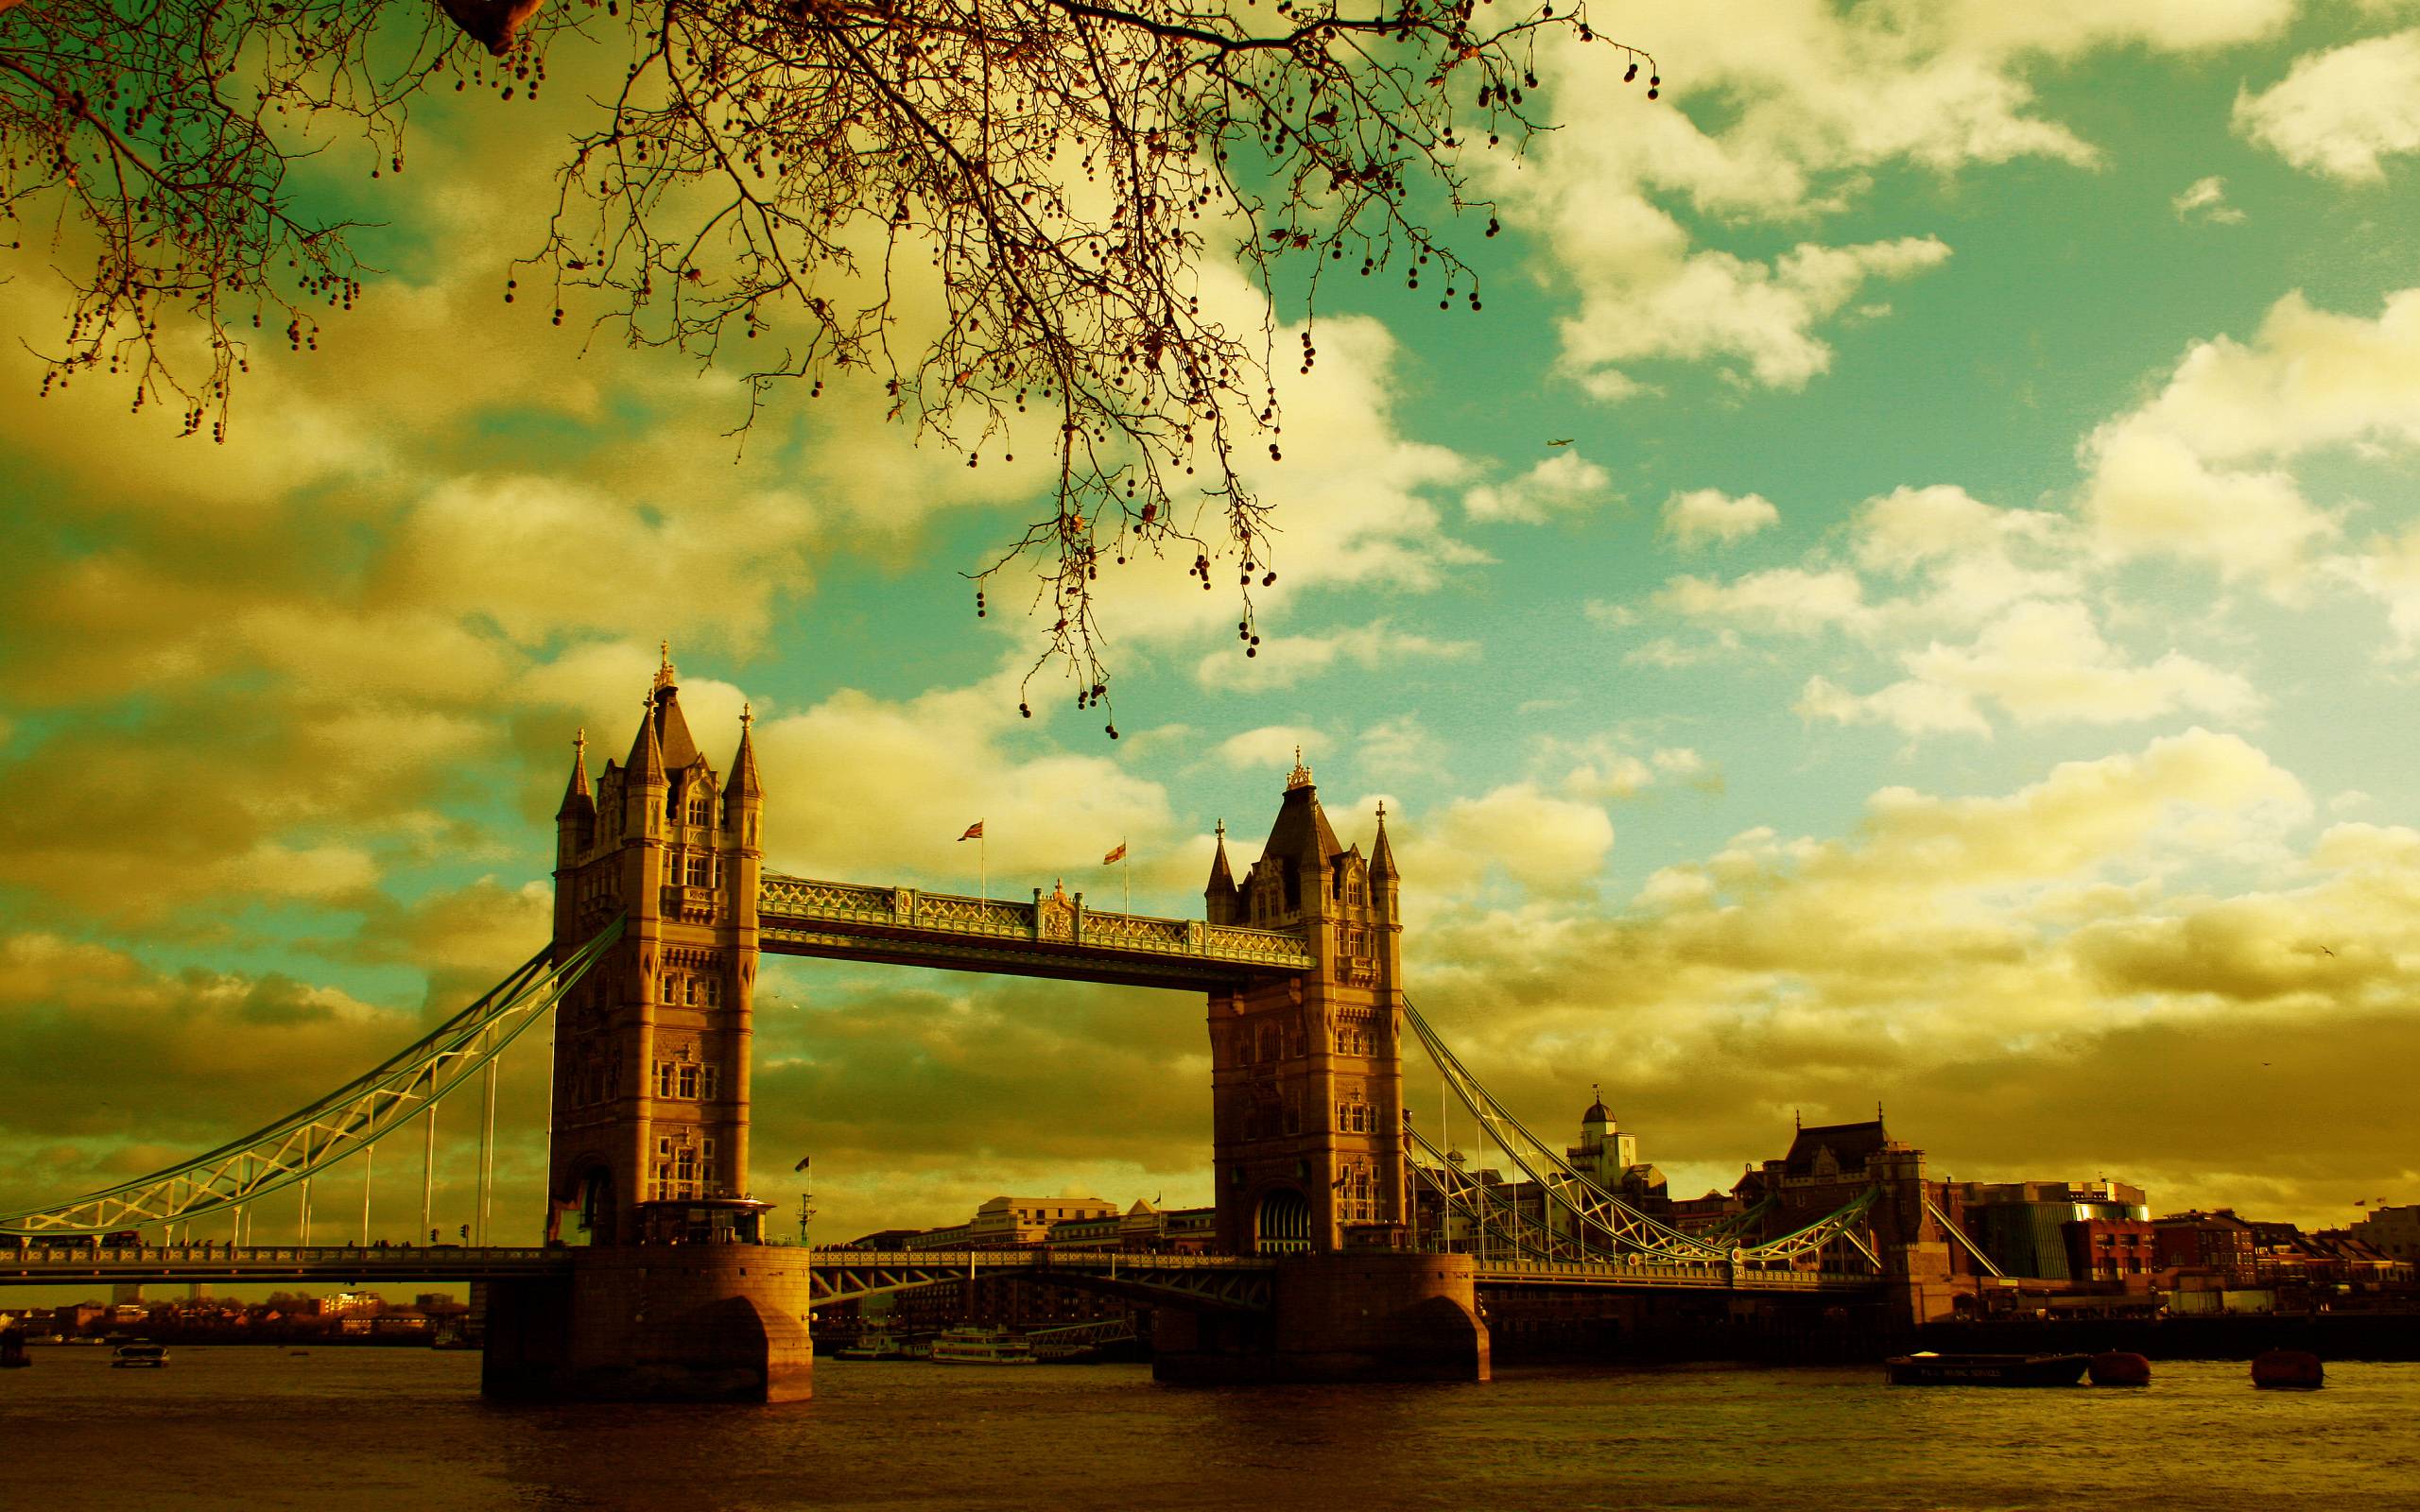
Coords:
pixel 974 832
pixel 1115 856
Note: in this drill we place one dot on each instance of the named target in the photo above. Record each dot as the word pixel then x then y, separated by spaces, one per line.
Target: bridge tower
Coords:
pixel 1307 1072
pixel 672 1294
pixel 651 1055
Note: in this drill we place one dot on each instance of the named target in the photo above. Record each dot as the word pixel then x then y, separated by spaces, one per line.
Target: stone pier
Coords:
pixel 1348 1317
pixel 655 1323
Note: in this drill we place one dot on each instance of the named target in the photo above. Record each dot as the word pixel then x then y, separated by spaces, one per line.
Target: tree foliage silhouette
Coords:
pixel 1050 175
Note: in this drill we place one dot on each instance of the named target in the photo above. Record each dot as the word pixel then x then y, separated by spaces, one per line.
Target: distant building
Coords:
pixel 2219 1242
pixel 1609 1157
pixel 2058 1230
pixel 2392 1229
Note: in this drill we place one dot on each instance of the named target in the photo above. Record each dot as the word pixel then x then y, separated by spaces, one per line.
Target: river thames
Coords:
pixel 257 1427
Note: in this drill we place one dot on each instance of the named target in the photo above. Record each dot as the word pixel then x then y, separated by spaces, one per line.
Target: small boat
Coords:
pixel 139 1357
pixel 880 1347
pixel 2289 1370
pixel 1926 1369
pixel 981 1346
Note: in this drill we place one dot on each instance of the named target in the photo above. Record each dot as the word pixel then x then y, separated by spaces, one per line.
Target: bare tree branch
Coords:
pixel 997 210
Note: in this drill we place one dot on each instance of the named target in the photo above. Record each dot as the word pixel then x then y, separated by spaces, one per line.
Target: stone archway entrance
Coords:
pixel 1282 1224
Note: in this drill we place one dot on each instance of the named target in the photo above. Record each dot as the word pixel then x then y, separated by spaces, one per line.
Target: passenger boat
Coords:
pixel 880 1347
pixel 981 1346
pixel 139 1356
pixel 1927 1368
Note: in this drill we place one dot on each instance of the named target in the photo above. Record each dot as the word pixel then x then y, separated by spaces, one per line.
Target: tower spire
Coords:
pixel 576 791
pixel 745 783
pixel 1382 854
pixel 646 766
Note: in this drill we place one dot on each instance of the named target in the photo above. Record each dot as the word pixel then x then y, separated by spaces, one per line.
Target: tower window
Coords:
pixel 664 1078
pixel 701 807
pixel 701 869
pixel 689 1081
pixel 710 1082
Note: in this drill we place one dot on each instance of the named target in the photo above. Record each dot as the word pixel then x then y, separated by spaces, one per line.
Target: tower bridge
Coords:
pixel 654 1280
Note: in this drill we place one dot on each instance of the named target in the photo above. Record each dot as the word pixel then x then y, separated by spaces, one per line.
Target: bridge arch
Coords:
pixel 1282 1222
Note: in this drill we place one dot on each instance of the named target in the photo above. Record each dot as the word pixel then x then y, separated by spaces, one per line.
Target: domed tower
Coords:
pixel 1306 1071
pixel 652 1052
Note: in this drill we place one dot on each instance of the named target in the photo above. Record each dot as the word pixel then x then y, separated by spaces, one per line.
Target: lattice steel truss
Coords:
pixel 1602 1227
pixel 343 1123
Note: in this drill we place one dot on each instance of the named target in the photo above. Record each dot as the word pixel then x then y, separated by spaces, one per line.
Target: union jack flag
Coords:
pixel 974 832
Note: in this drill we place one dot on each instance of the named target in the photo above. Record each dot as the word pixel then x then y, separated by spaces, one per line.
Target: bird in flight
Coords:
pixel 1565 442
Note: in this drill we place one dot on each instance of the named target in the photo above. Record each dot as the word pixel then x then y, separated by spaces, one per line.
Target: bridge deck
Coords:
pixel 1526 1272
pixel 839 1274
pixel 65 1264
pixel 1048 936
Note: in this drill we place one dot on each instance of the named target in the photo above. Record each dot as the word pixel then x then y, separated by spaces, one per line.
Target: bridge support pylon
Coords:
pixel 1374 1316
pixel 654 1323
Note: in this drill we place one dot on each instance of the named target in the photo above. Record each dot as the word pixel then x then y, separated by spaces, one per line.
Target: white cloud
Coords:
pixel 2206 199
pixel 1287 660
pixel 1792 600
pixel 2338 112
pixel 1780 121
pixel 1542 843
pixel 2199 471
pixel 1702 515
pixel 2041 663
pixel 1563 484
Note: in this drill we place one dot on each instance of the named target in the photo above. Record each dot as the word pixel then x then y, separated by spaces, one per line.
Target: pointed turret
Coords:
pixel 642 781
pixel 578 800
pixel 1225 907
pixel 1382 855
pixel 746 784
pixel 671 726
pixel 576 819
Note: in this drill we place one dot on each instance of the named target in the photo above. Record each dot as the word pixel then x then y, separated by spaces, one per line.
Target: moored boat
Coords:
pixel 981 1346
pixel 1926 1369
pixel 880 1347
pixel 140 1356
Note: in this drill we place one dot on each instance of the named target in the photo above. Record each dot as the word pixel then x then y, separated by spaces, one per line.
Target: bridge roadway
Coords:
pixel 1053 936
pixel 1220 1281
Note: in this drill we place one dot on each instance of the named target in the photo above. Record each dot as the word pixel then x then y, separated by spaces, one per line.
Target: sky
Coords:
pixel 1963 660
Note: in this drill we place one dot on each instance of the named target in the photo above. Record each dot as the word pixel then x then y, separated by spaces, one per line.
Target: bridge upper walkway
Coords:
pixel 1051 935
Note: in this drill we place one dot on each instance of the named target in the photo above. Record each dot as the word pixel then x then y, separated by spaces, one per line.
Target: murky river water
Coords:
pixel 405 1428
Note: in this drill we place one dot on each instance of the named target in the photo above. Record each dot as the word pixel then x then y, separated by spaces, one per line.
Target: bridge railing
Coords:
pixel 811 900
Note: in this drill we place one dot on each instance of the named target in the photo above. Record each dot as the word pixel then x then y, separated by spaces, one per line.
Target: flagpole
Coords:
pixel 984 865
pixel 1125 882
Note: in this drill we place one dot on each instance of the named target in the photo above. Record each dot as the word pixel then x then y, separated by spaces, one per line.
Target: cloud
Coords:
pixel 1777 123
pixel 1540 843
pixel 2042 945
pixel 2200 470
pixel 1789 600
pixel 2041 663
pixel 2207 200
pixel 2339 111
pixel 1287 660
pixel 1693 519
pixel 1564 483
